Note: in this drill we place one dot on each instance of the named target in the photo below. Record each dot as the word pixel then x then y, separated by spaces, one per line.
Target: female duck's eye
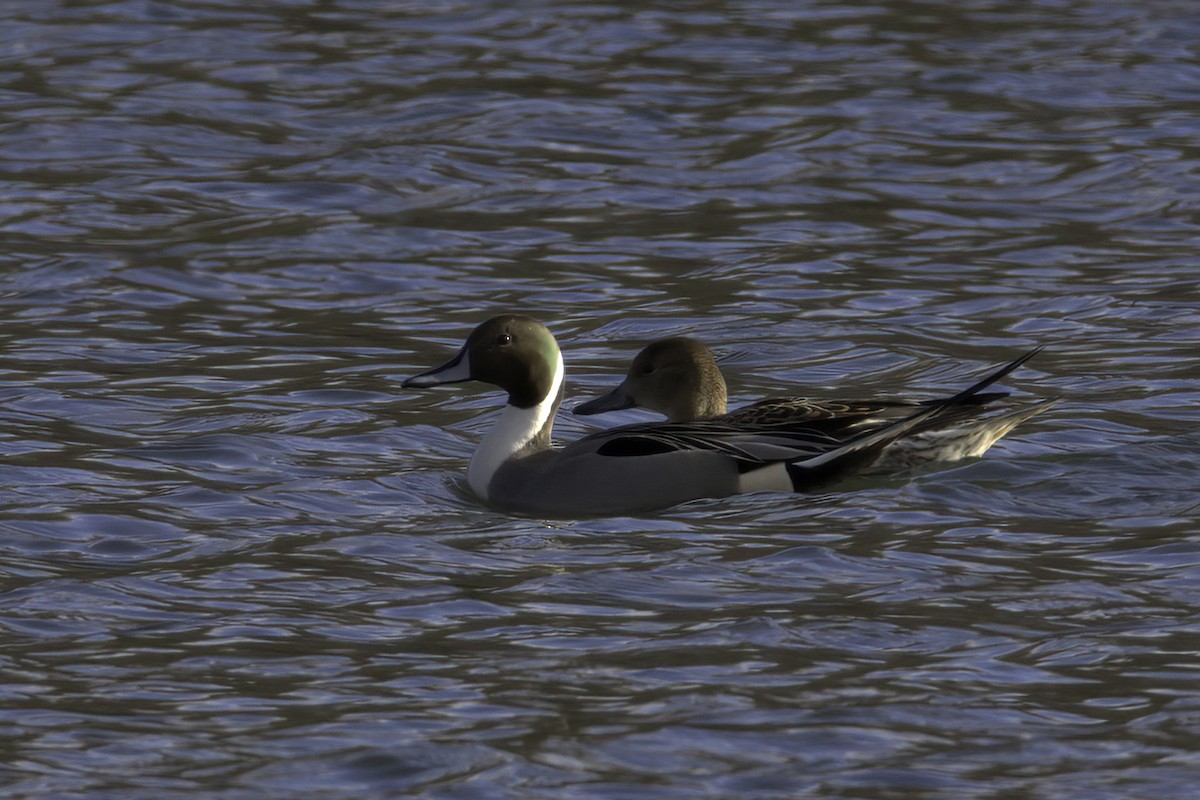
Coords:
pixel 504 338
pixel 646 370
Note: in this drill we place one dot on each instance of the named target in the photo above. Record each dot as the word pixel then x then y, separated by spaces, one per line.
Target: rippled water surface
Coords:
pixel 239 561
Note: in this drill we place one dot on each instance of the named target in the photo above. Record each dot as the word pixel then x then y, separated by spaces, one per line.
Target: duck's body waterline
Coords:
pixel 641 467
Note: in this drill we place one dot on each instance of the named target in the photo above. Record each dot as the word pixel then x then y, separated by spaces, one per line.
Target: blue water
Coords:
pixel 238 561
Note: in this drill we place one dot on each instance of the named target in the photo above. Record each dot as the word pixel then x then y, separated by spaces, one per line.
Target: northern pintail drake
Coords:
pixel 648 466
pixel 679 378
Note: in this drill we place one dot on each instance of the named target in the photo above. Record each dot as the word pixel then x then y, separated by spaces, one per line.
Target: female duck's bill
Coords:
pixel 641 467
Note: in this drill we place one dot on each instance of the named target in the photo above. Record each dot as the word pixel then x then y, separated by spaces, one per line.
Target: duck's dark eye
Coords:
pixel 504 338
pixel 646 370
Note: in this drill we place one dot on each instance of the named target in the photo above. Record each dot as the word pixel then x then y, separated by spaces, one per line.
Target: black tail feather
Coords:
pixel 974 400
pixel 973 390
pixel 863 450
pixel 806 479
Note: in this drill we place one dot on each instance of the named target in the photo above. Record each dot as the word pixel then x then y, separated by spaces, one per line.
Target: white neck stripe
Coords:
pixel 516 428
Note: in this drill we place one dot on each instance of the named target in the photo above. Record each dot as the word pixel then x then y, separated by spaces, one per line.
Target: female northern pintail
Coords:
pixel 679 378
pixel 642 467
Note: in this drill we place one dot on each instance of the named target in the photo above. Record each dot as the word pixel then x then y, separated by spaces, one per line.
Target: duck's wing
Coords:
pixel 743 444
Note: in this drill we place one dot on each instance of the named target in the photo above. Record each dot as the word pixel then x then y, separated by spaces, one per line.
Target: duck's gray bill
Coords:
pixel 615 400
pixel 455 370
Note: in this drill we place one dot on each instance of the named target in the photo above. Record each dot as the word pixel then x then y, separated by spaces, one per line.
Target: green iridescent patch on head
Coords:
pixel 516 353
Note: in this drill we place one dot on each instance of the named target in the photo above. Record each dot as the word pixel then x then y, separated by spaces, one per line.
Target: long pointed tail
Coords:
pixel 976 388
pixel 864 450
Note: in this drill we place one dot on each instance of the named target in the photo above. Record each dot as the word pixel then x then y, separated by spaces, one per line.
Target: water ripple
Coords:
pixel 239 559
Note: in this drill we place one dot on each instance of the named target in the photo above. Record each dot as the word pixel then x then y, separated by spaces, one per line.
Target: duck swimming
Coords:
pixel 679 378
pixel 655 465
